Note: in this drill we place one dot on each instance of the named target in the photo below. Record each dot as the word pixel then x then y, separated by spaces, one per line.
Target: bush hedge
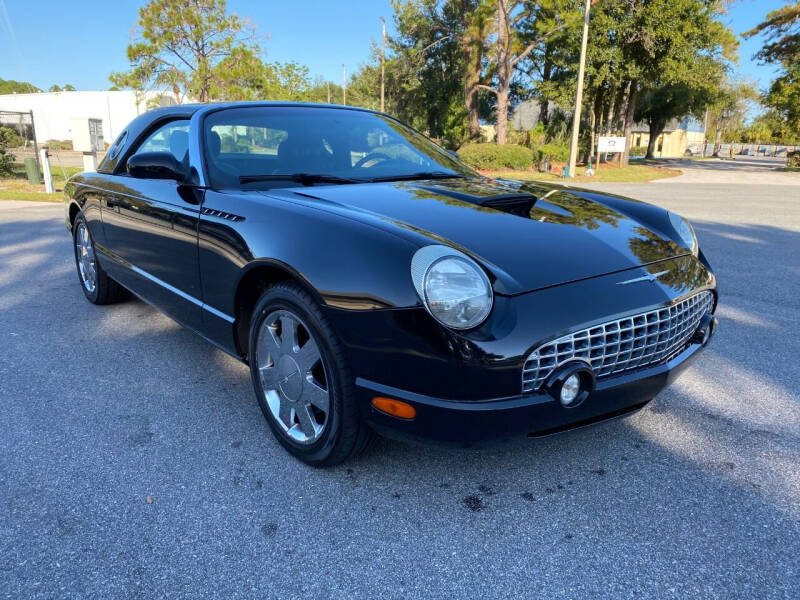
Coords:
pixel 554 152
pixel 793 159
pixel 493 157
pixel 638 151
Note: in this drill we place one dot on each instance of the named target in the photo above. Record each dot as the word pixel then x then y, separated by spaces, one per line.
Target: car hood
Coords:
pixel 530 236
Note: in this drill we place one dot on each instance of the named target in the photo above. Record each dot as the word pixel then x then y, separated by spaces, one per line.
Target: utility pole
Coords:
pixel 329 92
pixel 344 85
pixel 576 118
pixel 383 60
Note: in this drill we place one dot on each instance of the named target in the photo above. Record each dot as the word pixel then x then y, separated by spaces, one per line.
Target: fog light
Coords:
pixel 570 389
pixel 705 329
pixel 571 383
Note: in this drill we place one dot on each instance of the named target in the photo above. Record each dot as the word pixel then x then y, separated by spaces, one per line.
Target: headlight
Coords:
pixel 685 231
pixel 453 288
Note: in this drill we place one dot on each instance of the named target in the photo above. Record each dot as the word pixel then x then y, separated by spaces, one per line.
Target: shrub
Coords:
pixel 638 151
pixel 793 159
pixel 6 159
pixel 554 152
pixel 493 157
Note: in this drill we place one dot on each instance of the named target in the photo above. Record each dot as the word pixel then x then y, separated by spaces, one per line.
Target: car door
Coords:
pixel 151 228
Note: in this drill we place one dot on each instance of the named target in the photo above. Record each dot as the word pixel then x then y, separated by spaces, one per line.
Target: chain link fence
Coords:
pixel 724 150
pixel 22 124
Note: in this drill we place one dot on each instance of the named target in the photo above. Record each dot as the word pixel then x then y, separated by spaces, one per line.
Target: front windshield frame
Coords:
pixel 443 162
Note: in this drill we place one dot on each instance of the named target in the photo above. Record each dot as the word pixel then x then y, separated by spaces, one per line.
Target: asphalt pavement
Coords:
pixel 134 461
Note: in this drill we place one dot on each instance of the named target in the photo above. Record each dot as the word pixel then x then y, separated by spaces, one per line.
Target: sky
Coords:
pixel 81 41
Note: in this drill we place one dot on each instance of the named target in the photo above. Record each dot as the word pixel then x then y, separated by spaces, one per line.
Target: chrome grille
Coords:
pixel 621 345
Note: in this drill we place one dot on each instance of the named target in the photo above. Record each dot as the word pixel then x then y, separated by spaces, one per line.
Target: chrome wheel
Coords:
pixel 84 252
pixel 293 376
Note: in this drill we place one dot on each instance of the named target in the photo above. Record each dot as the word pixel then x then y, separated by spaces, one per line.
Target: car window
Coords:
pixel 172 137
pixel 252 147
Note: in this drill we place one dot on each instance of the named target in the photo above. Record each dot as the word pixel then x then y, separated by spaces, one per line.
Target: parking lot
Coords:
pixel 134 460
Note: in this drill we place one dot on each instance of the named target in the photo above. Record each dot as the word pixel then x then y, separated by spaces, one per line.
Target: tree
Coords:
pixel 657 107
pixel 181 44
pixel 782 46
pixel 662 42
pixel 9 86
pixel 474 26
pixel 782 31
pixel 425 72
pixel 509 51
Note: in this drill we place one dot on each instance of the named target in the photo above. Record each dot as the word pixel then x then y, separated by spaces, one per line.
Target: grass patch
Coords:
pixel 633 173
pixel 17 187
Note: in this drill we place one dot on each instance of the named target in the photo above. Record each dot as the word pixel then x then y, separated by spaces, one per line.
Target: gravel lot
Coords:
pixel 134 461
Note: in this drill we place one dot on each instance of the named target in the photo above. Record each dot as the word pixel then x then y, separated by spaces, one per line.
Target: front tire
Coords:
pixel 302 380
pixel 97 286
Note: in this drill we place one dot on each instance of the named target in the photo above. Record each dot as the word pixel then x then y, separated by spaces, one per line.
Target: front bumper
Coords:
pixel 469 422
pixel 468 386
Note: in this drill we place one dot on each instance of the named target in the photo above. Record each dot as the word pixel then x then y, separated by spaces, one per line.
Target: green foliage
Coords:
pixel 493 157
pixel 782 46
pixel 771 127
pixel 793 159
pixel 6 159
pixel 9 86
pixel 677 100
pixel 554 152
pixel 782 31
pixel 637 150
pixel 13 139
pixel 784 96
pixel 187 47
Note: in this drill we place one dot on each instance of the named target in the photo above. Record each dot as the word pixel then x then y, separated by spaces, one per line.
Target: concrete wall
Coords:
pixel 53 111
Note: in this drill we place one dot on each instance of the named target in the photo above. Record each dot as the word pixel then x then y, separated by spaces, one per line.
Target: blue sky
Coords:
pixel 82 41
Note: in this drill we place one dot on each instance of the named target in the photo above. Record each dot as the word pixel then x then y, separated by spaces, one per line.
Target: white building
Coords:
pixel 53 111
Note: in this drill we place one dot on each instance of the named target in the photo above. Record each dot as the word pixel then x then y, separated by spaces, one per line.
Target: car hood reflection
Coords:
pixel 532 235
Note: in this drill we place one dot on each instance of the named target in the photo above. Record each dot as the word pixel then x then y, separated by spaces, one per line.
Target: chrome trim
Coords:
pixel 623 344
pixel 648 277
pixel 181 293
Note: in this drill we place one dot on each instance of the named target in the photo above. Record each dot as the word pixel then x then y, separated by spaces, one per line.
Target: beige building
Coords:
pixel 680 138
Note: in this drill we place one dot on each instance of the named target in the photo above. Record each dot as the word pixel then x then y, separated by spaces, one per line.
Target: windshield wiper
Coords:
pixel 302 178
pixel 421 175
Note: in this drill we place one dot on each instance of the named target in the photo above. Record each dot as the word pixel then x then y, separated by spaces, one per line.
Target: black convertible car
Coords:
pixel 373 282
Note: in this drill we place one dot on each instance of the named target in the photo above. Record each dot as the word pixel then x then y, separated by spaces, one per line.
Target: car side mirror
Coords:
pixel 155 165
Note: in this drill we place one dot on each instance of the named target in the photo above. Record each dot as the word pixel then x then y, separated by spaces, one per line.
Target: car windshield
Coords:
pixel 261 147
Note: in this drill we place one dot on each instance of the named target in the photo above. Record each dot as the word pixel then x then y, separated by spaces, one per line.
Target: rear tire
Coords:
pixel 97 286
pixel 302 380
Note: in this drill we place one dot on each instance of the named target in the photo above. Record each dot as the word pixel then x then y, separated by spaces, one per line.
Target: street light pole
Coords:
pixel 383 59
pixel 576 118
pixel 344 85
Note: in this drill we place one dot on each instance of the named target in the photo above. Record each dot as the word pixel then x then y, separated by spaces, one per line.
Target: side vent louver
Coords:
pixel 220 214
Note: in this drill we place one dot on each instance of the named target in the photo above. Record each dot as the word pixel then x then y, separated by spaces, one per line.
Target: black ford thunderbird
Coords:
pixel 375 283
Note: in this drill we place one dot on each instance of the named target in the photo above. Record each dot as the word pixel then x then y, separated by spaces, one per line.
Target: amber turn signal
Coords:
pixel 396 408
